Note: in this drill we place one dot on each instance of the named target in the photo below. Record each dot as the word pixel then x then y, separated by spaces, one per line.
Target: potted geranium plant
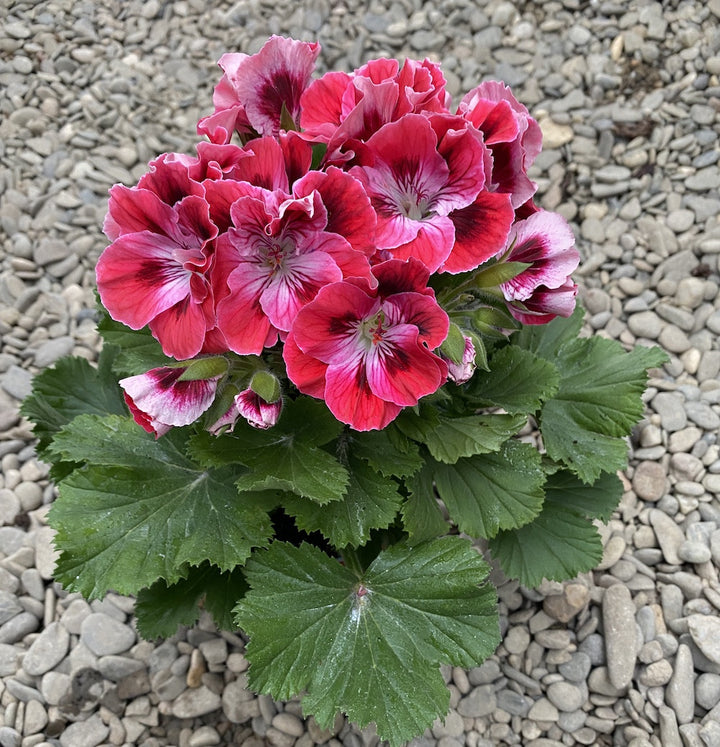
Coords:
pixel 323 334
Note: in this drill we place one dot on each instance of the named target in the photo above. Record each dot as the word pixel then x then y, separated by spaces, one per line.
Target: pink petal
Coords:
pixel 351 401
pixel 239 315
pixel 481 231
pixel 131 210
pixel 306 372
pixel 278 74
pixel 295 284
pixel 546 241
pixel 400 370
pixel 349 211
pixel 220 126
pixel 400 276
pixel 264 165
pixel 140 276
pixel 422 312
pixel 326 327
pixel 321 105
pixel 168 177
pixel 181 329
pixel 297 154
pixel 545 304
pixel 432 245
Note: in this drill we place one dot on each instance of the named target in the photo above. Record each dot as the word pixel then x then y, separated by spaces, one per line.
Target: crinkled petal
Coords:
pixel 420 311
pixel 432 245
pixel 321 105
pixel 181 329
pixel 545 304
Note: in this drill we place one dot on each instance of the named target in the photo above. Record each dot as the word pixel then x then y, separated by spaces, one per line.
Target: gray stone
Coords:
pixel 104 635
pixel 18 627
pixel 480 702
pixel 670 408
pixel 543 710
pixel 705 632
pixel 9 606
pixel 88 733
pixel 47 650
pixel 649 481
pixel 513 703
pixel 707 690
pixel 9 737
pixel 577 669
pixel 669 535
pixel 694 552
pixel 196 702
pixel 680 690
pixel 565 696
pixel 620 639
pixel 516 640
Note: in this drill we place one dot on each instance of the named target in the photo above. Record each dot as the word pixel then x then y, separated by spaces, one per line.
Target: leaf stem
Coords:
pixel 352 560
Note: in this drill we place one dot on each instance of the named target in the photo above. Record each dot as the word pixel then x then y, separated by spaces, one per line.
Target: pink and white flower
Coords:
pixel 158 400
pixel 253 408
pixel 279 254
pixel 543 290
pixel 368 351
pixel 156 269
pixel 512 135
pixel 255 89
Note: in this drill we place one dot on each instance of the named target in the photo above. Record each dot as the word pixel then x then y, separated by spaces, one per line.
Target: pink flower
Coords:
pixel 251 406
pixel 462 372
pixel 158 400
pixel 340 109
pixel 156 269
pixel 544 289
pixel 367 351
pixel 416 172
pixel 280 253
pixel 512 135
pixel 254 89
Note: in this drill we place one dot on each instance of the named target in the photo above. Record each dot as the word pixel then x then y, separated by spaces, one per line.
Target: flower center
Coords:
pixel 373 329
pixel 412 206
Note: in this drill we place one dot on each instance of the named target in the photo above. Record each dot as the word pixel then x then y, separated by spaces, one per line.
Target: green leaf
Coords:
pixel 498 273
pixel 138 350
pixel 546 340
pixel 266 386
pixel 371 502
pixel 385 452
pixel 162 608
pixel 70 388
pixel 140 510
pixel 596 501
pixel 449 439
pixel 558 544
pixel 490 492
pixel 422 517
pixel 597 403
pixel 454 345
pixel 286 457
pixel 368 646
pixel 204 368
pixel 518 381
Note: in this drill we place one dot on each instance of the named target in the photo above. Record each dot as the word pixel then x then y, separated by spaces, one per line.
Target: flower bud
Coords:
pixel 462 372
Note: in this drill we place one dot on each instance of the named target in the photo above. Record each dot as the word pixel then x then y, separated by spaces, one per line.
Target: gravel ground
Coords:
pixel 628 96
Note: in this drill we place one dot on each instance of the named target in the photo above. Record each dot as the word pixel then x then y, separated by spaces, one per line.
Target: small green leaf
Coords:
pixel 558 544
pixel 518 381
pixel 162 608
pixel 490 492
pixel 422 517
pixel 499 273
pixel 286 120
pixel 596 501
pixel 368 646
pixel 449 439
pixel 138 350
pixel 383 452
pixel 546 340
pixel 266 386
pixel 204 368
pixel 371 502
pixel 72 387
pixel 454 345
pixel 140 510
pixel 597 403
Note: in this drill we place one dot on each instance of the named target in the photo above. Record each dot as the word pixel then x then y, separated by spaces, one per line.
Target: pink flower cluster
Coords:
pixel 319 229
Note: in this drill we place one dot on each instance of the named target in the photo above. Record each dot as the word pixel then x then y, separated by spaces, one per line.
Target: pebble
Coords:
pixel 620 639
pixel 47 650
pixel 705 632
pixel 680 691
pixel 104 635
pixel 707 690
pixel 669 535
pixel 649 481
pixel 196 702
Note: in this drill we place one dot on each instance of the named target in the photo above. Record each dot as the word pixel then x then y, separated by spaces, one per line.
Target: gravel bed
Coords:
pixel 628 97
